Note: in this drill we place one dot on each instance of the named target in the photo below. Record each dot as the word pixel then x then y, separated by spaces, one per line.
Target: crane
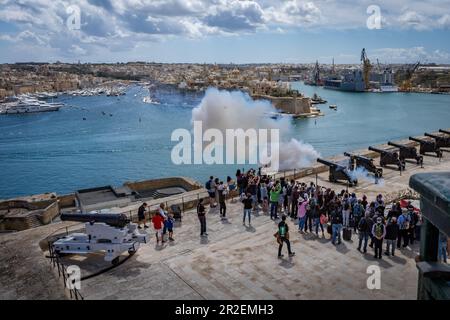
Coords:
pixel 406 83
pixel 366 68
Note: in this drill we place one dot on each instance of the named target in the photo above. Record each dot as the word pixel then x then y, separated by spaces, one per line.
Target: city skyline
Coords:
pixel 224 31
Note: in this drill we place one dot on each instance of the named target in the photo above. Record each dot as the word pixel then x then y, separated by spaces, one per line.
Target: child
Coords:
pixel 158 221
pixel 169 226
pixel 265 205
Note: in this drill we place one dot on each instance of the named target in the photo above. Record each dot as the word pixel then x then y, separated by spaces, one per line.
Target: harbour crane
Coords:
pixel 316 73
pixel 406 83
pixel 366 68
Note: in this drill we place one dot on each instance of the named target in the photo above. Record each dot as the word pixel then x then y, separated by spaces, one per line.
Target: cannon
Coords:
pixel 427 146
pixel 444 131
pixel 112 219
pixel 389 157
pixel 365 162
pixel 407 152
pixel 441 141
pixel 111 233
pixel 338 172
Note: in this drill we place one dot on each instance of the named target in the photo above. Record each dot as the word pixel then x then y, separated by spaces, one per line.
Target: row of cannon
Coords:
pixel 396 157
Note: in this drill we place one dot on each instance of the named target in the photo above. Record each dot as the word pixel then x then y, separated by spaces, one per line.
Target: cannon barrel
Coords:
pixel 356 156
pixel 420 140
pixel 348 154
pixel 328 163
pixel 432 135
pixel 376 150
pixel 444 131
pixel 113 219
pixel 397 145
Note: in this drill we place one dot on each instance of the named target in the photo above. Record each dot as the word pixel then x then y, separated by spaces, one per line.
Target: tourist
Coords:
pixel 364 202
pixel 442 247
pixel 391 235
pixel 265 205
pixel 216 191
pixel 378 232
pixel 301 214
pixel 403 224
pixel 294 205
pixel 364 230
pixel 248 204
pixel 209 186
pixel 316 216
pixel 231 184
pixel 158 222
pixel 222 191
pixel 283 236
pixel 201 213
pixel 239 181
pixel 274 196
pixel 263 190
pixel 141 216
pixel 169 226
pixel 336 225
pixel 358 213
pixel 412 224
pixel 163 214
pixel 346 214
pixel 308 217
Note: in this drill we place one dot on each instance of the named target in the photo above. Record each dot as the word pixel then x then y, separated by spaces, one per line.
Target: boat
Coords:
pixel 317 99
pixel 352 81
pixel 333 106
pixel 148 99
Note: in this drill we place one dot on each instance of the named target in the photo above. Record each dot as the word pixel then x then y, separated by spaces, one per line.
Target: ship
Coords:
pixel 351 81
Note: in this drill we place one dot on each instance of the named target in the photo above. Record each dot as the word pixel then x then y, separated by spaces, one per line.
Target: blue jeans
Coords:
pixel 336 229
pixel 363 236
pixel 318 224
pixel 249 213
pixel 301 223
pixel 273 209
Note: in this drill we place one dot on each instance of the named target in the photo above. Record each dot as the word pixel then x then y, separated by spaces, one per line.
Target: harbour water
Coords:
pixel 123 138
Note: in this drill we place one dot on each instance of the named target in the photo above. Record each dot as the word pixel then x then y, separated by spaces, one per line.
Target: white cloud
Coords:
pixel 121 24
pixel 411 55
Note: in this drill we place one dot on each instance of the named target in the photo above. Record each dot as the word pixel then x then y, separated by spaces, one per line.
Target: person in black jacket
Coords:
pixel 392 231
pixel 336 225
pixel 365 229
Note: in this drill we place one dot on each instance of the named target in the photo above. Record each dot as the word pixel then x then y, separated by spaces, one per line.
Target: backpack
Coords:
pixel 379 229
pixel 362 225
pixel 282 230
pixel 208 185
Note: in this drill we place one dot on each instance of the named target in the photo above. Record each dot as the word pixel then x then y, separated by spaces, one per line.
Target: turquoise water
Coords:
pixel 61 152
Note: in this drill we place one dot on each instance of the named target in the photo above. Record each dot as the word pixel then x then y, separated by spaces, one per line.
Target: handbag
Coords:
pixel 323 219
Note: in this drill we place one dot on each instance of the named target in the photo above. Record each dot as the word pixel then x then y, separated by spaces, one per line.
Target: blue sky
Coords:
pixel 239 31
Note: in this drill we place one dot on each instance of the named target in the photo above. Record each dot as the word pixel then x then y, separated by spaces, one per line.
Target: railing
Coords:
pixel 74 293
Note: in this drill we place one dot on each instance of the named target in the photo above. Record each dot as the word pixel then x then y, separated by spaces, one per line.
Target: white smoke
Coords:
pixel 223 110
pixel 361 174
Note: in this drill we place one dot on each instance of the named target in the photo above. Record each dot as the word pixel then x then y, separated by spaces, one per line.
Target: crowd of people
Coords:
pixel 315 209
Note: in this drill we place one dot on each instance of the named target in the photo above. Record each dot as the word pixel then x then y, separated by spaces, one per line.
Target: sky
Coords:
pixel 224 31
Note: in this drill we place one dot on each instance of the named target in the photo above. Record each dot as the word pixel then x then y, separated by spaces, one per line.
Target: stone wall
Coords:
pixel 184 182
pixel 293 105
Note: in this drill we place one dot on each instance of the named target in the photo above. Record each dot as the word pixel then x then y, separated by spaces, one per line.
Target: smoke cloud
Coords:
pixel 223 110
pixel 361 174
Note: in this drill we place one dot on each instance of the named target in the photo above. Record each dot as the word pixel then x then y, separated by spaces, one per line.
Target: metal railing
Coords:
pixel 74 293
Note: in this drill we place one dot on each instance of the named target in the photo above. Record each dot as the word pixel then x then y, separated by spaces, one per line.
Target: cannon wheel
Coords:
pixel 331 178
pixel 131 252
pixel 115 261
